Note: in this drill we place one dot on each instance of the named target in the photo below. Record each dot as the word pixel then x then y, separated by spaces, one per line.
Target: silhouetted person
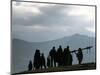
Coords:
pixel 52 53
pixel 37 61
pixel 79 55
pixel 59 56
pixel 48 61
pixel 30 66
pixel 67 57
pixel 42 60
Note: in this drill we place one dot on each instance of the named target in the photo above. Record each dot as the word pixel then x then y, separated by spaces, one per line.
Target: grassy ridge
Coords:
pixel 86 66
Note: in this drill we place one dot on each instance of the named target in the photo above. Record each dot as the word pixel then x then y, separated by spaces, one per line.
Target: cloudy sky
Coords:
pixel 38 22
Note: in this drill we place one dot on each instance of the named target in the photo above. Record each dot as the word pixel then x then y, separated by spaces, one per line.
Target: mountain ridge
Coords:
pixel 76 35
pixel 23 51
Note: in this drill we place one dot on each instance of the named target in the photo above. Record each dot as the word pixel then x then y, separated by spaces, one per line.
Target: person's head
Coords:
pixel 30 61
pixel 37 51
pixel 53 47
pixel 67 47
pixel 59 46
pixel 79 50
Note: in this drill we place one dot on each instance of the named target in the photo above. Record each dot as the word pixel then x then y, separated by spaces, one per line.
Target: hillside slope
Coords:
pixel 23 51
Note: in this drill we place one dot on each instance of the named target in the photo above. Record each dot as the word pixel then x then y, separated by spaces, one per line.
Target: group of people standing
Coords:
pixel 56 58
pixel 59 57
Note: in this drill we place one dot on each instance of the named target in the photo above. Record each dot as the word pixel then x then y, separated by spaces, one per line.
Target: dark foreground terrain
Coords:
pixel 87 66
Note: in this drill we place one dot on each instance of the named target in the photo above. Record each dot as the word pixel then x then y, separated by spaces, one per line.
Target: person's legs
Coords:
pixel 44 66
pixel 54 63
pixel 51 62
pixel 80 61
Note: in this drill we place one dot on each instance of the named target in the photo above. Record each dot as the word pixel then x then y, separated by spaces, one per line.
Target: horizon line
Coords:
pixel 53 39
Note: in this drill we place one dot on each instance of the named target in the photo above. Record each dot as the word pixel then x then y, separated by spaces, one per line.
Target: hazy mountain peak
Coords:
pixel 76 34
pixel 24 51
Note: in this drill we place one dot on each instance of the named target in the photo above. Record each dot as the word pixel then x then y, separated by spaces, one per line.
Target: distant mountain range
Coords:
pixel 23 51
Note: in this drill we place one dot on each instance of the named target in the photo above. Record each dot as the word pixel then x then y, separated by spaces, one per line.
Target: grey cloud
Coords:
pixel 51 16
